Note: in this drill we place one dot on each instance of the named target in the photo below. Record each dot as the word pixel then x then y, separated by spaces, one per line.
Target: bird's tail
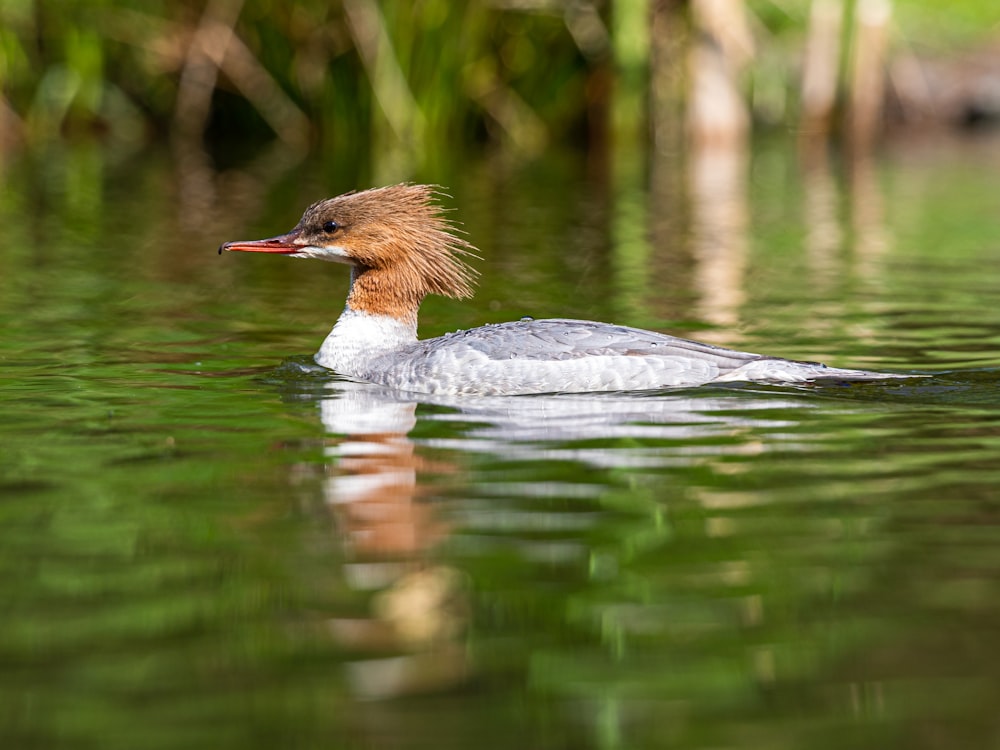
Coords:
pixel 790 371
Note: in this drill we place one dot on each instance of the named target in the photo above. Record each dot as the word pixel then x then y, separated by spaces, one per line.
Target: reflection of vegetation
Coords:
pixel 170 570
pixel 410 72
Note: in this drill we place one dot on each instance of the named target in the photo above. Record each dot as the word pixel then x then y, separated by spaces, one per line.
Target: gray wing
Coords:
pixel 549 356
pixel 558 339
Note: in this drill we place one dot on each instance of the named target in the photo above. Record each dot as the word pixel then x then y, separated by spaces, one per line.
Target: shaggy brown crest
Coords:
pixel 400 244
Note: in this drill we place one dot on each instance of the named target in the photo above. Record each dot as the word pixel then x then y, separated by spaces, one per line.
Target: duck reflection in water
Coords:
pixel 378 482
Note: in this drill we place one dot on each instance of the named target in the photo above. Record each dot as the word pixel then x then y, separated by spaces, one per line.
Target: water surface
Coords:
pixel 207 542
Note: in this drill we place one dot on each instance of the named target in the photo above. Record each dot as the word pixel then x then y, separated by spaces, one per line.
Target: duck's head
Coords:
pixel 395 237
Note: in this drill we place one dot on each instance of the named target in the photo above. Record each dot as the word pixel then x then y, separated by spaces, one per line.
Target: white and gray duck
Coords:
pixel 401 248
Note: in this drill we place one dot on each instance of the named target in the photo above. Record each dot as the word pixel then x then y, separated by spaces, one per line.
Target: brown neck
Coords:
pixel 375 292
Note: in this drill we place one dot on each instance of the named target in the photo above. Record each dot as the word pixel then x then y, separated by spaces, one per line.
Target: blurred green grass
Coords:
pixel 391 74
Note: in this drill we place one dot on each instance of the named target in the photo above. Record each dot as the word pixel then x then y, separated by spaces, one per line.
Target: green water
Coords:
pixel 206 543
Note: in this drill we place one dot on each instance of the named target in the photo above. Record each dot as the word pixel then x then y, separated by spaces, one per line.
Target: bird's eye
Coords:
pixel 330 227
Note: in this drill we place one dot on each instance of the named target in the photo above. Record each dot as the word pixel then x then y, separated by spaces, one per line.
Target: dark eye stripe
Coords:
pixel 330 227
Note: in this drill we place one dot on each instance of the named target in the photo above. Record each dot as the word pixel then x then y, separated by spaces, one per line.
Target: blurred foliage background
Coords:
pixel 417 76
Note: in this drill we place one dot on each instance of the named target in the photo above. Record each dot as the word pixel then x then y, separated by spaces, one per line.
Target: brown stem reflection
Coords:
pixel 823 224
pixel 719 225
pixel 871 236
pixel 839 248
